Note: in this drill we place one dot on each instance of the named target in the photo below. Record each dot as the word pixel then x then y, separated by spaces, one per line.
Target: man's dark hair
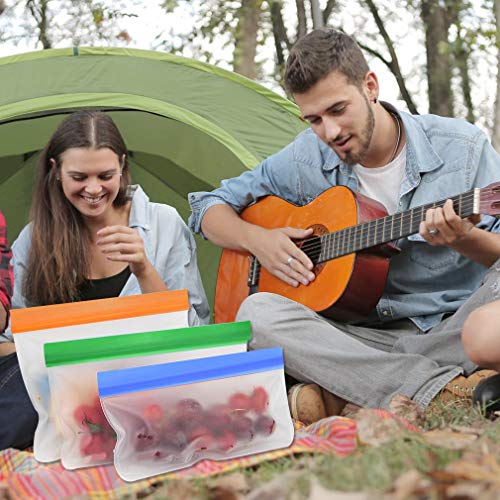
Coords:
pixel 319 53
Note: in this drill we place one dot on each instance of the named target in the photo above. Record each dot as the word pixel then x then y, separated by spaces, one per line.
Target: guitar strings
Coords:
pixel 405 221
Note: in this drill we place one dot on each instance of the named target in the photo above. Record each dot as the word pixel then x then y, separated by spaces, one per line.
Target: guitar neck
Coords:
pixel 379 231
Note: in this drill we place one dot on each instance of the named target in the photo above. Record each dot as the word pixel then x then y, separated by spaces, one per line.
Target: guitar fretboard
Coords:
pixel 379 231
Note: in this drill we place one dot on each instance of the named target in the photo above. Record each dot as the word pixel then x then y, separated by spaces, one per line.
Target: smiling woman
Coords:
pixel 90 178
pixel 96 235
pixel 92 235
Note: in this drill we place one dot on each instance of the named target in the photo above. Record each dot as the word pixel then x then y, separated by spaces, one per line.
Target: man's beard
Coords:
pixel 353 157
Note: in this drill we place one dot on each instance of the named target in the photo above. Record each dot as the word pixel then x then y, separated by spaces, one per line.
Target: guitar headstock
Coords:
pixel 489 203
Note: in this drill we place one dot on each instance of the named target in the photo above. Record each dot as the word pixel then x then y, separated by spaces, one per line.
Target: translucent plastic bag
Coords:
pixel 33 327
pixel 87 438
pixel 170 416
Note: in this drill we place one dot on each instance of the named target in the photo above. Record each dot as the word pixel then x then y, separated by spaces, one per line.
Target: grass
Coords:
pixel 369 469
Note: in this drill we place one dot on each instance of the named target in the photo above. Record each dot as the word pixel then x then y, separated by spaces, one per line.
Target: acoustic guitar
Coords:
pixel 350 249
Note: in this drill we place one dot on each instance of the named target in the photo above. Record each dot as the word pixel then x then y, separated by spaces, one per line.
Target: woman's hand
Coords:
pixel 123 244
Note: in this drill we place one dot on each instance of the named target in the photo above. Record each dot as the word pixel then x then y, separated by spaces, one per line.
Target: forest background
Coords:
pixel 437 56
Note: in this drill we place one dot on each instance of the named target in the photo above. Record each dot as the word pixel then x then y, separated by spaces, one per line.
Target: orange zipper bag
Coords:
pixel 35 326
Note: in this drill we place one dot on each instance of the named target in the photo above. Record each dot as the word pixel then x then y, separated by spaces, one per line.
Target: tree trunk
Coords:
pixel 245 46
pixel 461 53
pixel 393 64
pixel 2 6
pixel 301 18
pixel 316 14
pixel 279 33
pixel 436 25
pixel 330 5
pixel 495 136
pixel 39 11
pixel 43 25
pixel 461 61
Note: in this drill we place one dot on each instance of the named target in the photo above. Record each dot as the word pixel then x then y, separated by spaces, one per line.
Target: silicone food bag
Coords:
pixel 87 438
pixel 172 415
pixel 33 327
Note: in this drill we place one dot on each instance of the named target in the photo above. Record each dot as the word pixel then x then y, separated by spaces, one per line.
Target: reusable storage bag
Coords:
pixel 172 415
pixel 87 438
pixel 33 327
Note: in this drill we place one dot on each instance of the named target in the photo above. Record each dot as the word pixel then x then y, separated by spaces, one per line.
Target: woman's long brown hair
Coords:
pixel 58 260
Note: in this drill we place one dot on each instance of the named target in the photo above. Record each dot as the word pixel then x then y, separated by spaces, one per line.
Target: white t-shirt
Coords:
pixel 383 183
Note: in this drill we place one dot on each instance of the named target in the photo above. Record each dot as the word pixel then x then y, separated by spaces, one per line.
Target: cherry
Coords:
pixel 265 424
pixel 259 399
pixel 196 432
pixel 153 413
pixel 176 440
pixel 240 401
pixel 218 417
pixel 189 409
pixel 144 440
pixel 243 427
pixel 225 440
pixel 99 445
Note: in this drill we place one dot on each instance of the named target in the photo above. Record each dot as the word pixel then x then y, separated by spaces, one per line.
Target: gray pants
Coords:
pixel 365 365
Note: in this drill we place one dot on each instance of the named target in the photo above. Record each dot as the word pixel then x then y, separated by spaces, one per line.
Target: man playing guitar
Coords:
pixel 410 343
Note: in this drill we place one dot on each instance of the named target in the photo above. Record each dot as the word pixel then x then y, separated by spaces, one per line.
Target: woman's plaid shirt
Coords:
pixel 6 274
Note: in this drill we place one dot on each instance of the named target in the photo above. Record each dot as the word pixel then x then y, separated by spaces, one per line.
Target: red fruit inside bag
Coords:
pixel 153 413
pixel 145 439
pixel 240 401
pixel 189 409
pixel 225 440
pixel 89 418
pixel 98 438
pixel 265 424
pixel 201 436
pixel 259 399
pixel 218 417
pixel 243 427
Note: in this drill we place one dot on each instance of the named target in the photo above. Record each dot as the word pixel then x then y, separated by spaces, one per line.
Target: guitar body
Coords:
pixel 348 287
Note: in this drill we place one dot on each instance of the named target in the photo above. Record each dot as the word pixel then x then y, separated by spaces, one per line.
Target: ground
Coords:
pixel 453 454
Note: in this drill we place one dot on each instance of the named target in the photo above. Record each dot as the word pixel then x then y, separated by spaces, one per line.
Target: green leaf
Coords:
pixel 93 428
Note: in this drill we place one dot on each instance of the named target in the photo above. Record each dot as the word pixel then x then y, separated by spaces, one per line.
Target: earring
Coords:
pixel 374 100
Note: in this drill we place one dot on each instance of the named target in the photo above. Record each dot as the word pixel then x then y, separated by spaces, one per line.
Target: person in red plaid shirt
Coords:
pixel 6 276
pixel 18 418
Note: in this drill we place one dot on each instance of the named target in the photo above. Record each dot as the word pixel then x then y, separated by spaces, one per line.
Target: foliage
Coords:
pixel 214 31
pixel 45 23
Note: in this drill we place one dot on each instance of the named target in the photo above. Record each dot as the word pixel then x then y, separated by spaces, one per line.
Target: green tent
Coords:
pixel 187 124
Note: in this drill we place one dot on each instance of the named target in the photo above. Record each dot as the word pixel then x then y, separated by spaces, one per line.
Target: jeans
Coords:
pixel 18 418
pixel 364 365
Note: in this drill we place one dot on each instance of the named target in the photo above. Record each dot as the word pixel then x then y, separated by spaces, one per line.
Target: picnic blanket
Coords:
pixel 24 477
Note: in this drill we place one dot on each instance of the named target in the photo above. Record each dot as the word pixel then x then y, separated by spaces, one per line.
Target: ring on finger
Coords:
pixel 433 232
pixel 290 260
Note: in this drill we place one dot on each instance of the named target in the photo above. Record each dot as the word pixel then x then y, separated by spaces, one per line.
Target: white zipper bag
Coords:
pixel 87 438
pixel 173 415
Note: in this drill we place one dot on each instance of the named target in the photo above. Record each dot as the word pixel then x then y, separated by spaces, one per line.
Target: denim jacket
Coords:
pixel 169 246
pixel 444 157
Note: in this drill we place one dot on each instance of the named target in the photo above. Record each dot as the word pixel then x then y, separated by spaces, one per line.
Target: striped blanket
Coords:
pixel 24 477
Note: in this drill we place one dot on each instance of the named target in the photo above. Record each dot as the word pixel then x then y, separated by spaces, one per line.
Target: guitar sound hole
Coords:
pixel 312 247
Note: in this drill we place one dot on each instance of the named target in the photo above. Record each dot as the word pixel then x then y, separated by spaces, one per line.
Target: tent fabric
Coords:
pixel 187 124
